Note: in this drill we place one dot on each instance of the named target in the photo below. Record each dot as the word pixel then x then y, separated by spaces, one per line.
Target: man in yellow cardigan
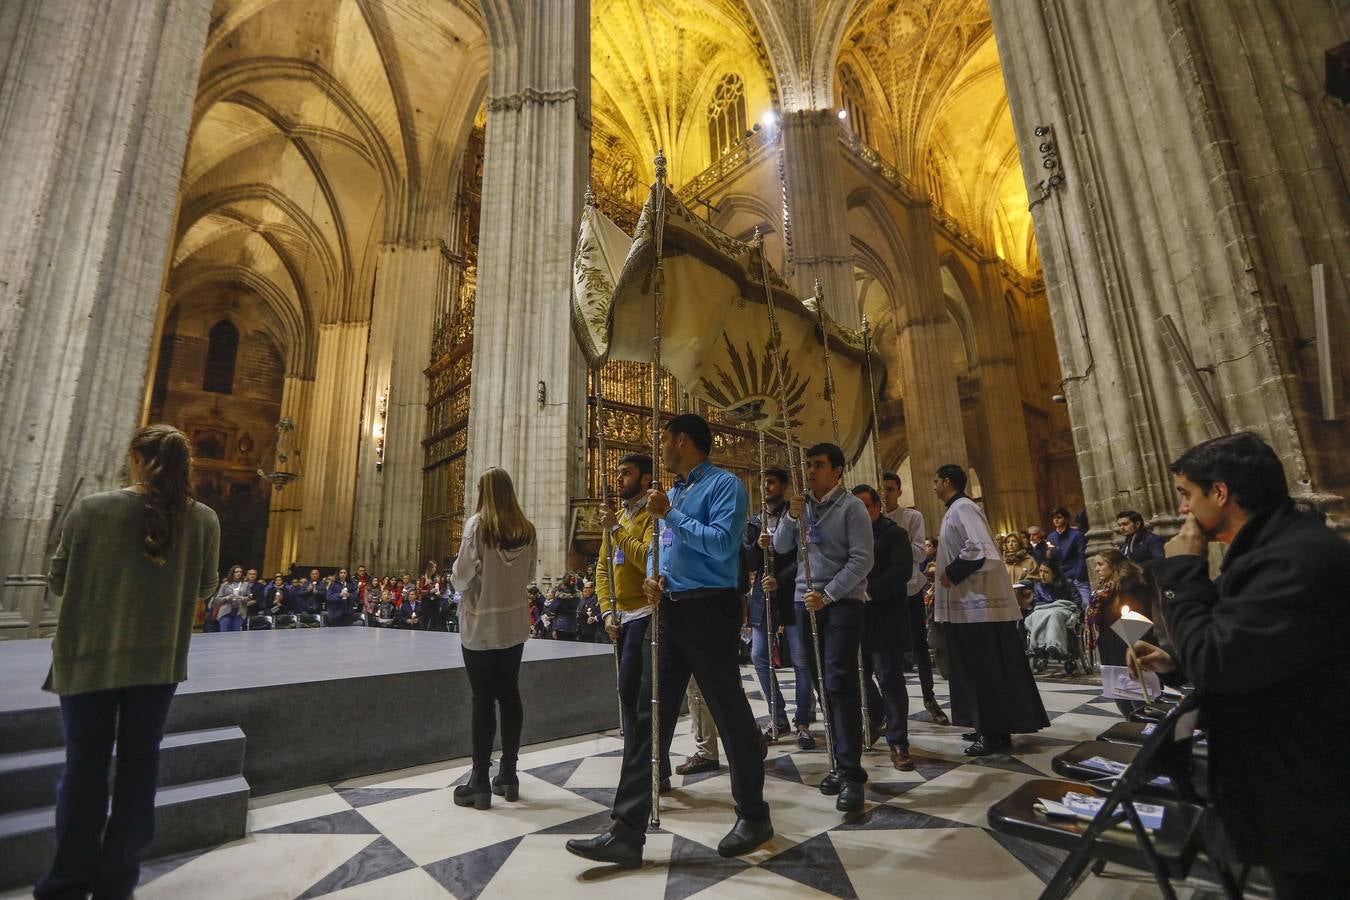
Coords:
pixel 626 610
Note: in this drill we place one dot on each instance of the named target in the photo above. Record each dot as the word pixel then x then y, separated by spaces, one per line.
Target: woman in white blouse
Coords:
pixel 494 567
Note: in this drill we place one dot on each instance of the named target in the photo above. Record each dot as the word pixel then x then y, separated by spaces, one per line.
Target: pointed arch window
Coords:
pixel 851 99
pixel 726 116
pixel 222 352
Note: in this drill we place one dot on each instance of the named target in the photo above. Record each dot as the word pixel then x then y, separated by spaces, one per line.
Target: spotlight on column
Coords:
pixel 843 114
pixel 1058 398
pixel 769 119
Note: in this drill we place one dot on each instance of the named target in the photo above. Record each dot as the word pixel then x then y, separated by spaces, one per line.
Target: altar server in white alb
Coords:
pixel 992 687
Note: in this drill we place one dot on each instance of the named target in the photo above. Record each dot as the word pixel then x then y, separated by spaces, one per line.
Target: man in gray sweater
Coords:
pixel 835 527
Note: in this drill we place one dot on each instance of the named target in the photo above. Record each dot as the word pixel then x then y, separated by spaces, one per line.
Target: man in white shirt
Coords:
pixel 992 687
pixel 910 519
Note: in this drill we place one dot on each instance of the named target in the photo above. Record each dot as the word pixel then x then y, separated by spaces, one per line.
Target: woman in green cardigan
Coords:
pixel 132 566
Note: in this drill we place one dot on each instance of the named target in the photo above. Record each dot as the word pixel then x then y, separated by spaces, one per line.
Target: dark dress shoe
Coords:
pixel 804 739
pixel 745 836
pixel 479 797
pixel 971 736
pixel 850 797
pixel 607 848
pixel 987 746
pixel 507 786
pixel 830 784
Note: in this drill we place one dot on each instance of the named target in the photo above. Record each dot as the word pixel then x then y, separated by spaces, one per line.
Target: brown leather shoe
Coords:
pixel 900 758
pixel 935 711
pixel 696 764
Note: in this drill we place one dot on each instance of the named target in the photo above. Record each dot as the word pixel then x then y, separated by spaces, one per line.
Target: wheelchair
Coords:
pixel 1073 661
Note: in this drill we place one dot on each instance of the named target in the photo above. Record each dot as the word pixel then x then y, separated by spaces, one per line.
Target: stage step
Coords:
pixel 189 816
pixel 28 779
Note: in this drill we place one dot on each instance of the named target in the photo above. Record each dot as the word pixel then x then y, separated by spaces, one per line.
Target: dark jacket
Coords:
pixel 337 609
pixel 563 609
pixel 1142 546
pixel 886 611
pixel 784 569
pixel 1266 646
pixel 1039 551
pixel 1070 547
pixel 309 597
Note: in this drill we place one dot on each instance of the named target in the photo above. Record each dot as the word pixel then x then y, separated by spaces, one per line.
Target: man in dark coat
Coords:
pixel 1140 544
pixel 1068 547
pixel 1265 645
pixel 885 628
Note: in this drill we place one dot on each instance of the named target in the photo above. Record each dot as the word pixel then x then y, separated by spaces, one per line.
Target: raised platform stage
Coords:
pixel 305 706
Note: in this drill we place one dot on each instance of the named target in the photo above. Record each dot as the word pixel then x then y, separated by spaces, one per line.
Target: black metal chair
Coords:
pixel 260 623
pixel 285 620
pixel 311 620
pixel 1168 854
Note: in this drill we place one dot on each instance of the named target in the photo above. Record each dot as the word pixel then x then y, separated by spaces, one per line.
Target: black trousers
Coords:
pixel 918 642
pixel 699 638
pixel 97 852
pixel 634 648
pixel 494 679
pixel 883 657
pixel 840 626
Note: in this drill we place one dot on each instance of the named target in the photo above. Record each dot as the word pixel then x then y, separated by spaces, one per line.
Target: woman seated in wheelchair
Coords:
pixel 1053 617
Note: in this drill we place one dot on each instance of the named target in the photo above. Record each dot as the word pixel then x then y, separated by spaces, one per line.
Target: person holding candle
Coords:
pixel 1268 634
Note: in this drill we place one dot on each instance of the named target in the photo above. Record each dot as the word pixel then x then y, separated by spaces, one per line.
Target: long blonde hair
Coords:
pixel 501 521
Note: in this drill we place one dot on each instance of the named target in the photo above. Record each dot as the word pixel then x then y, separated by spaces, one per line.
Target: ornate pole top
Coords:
pixel 759 236
pixel 818 296
pixel 590 196
pixel 660 165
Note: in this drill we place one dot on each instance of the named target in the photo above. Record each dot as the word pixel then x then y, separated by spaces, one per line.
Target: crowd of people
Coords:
pixel 847 575
pixel 244 601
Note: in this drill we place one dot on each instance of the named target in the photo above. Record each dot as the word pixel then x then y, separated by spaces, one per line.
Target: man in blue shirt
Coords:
pixel 696 591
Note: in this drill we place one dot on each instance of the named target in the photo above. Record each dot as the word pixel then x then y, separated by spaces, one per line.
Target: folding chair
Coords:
pixel 1169 853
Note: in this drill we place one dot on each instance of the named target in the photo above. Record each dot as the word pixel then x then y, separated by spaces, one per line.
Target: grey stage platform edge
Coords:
pixel 326 704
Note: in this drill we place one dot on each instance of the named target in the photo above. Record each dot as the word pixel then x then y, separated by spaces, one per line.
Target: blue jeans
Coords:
pixel 759 655
pixel 90 858
pixel 231 622
pixel 798 635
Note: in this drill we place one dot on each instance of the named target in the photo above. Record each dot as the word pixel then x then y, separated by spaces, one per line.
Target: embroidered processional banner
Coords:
pixel 715 324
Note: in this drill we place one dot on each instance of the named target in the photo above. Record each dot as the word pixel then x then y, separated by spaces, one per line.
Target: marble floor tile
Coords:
pixel 293 806
pixel 920 863
pixel 429 827
pixel 260 867
pixel 962 795
pixel 412 884
pixel 540 862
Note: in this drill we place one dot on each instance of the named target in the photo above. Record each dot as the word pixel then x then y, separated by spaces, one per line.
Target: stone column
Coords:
pixel 411 280
pixel 1008 479
pixel 329 442
pixel 528 395
pixel 1161 213
pixel 285 511
pixel 817 213
pixel 95 107
pixel 933 425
